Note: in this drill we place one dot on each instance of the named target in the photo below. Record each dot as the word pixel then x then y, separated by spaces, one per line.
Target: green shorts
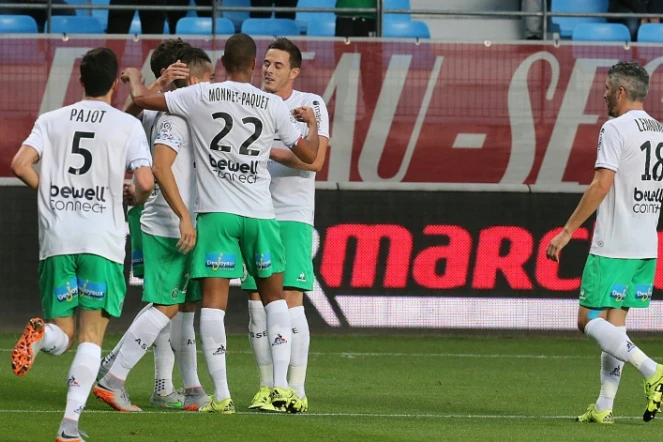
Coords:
pixel 227 241
pixel 136 237
pixel 89 281
pixel 167 272
pixel 297 240
pixel 617 283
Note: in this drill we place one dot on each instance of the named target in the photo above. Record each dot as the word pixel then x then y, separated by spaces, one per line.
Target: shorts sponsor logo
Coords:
pixel 220 261
pixel 643 292
pixel 618 292
pixel 263 261
pixel 136 257
pixel 278 340
pixel 67 292
pixel 90 289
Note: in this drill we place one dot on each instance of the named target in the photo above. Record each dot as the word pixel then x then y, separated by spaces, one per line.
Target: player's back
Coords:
pixel 632 146
pixel 84 159
pixel 233 125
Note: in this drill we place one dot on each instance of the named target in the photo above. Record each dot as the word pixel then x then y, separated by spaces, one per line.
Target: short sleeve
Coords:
pixel 138 152
pixel 37 136
pixel 610 148
pixel 172 131
pixel 181 101
pixel 287 127
pixel 321 116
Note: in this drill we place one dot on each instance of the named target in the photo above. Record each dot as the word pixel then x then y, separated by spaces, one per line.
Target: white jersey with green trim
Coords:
pixel 233 126
pixel 293 190
pixel 85 150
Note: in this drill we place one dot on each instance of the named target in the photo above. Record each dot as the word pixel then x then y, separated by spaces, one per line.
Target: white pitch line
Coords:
pixel 364 415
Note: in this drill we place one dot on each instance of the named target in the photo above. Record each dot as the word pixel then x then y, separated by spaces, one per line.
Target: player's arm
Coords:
pixel 140 95
pixel 164 157
pixel 143 185
pixel 289 159
pixel 307 148
pixel 22 166
pixel 139 162
pixel 176 71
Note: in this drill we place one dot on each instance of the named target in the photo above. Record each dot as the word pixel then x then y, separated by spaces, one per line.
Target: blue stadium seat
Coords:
pixel 396 4
pixel 282 27
pixel 405 29
pixel 650 33
pixel 321 28
pixel 72 24
pixel 203 26
pixel 304 18
pixel 136 27
pixel 79 2
pixel 566 24
pixel 101 14
pixel 17 24
pixel 601 32
pixel 237 17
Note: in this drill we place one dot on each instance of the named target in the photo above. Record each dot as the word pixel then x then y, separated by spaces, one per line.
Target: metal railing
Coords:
pixel 216 8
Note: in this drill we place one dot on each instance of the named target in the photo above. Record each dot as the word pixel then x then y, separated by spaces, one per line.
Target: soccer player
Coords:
pixel 163 63
pixel 84 149
pixel 293 194
pixel 167 240
pixel 619 272
pixel 233 125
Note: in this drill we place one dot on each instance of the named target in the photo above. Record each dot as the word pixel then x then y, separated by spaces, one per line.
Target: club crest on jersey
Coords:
pixel 263 261
pixel 67 292
pixel 220 261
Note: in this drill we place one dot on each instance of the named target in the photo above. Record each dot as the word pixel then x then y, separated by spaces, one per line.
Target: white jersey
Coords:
pixel 233 126
pixel 626 220
pixel 293 190
pixel 158 218
pixel 85 150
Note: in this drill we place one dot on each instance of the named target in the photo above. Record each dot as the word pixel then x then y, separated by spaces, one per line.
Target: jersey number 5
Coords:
pixel 86 154
pixel 658 166
pixel 229 122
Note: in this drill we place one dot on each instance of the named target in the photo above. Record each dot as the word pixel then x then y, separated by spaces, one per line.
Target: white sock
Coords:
pixel 260 343
pixel 107 362
pixel 611 374
pixel 279 331
pixel 183 340
pixel 140 336
pixel 164 361
pixel 55 341
pixel 213 336
pixel 81 378
pixel 615 342
pixel 301 340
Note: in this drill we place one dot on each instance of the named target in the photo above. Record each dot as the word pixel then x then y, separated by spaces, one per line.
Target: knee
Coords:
pixel 582 322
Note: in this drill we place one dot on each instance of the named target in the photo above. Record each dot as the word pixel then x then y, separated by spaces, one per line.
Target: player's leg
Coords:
pixel 59 298
pixel 259 343
pixel 611 367
pixel 610 287
pixel 183 340
pixel 164 280
pixel 216 260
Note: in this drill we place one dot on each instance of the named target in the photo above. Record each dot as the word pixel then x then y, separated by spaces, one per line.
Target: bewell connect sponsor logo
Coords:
pixel 647 201
pixel 78 199
pixel 246 173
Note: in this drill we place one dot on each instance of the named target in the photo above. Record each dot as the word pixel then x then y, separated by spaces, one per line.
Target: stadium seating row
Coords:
pixel 319 24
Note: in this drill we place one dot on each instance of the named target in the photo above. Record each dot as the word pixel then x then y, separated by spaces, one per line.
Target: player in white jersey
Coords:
pixel 619 273
pixel 85 150
pixel 293 194
pixel 168 237
pixel 181 346
pixel 233 125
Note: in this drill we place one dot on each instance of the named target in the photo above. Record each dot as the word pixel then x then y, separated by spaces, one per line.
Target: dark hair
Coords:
pixel 98 71
pixel 632 77
pixel 165 54
pixel 239 53
pixel 195 59
pixel 283 44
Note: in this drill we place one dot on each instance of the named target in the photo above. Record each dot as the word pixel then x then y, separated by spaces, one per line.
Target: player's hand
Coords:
pixel 187 235
pixel 557 244
pixel 304 114
pixel 129 193
pixel 129 73
pixel 176 71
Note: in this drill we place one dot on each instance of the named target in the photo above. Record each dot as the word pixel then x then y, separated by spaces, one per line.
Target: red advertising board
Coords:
pixel 400 112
